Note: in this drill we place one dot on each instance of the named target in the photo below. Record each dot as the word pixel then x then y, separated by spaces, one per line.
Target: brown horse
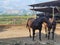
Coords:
pixel 45 27
pixel 30 21
pixel 37 24
pixel 29 24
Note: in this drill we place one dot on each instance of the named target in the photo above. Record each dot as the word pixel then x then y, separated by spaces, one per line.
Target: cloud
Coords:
pixel 18 4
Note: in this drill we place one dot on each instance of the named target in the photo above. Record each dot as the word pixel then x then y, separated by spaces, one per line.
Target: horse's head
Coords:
pixel 44 19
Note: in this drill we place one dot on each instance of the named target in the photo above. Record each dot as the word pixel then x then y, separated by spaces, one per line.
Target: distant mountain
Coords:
pixel 24 11
pixel 16 12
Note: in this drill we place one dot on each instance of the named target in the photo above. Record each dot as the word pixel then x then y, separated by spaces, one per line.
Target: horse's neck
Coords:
pixel 51 20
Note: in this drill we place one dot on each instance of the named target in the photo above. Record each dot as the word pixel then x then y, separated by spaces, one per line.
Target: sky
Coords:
pixel 17 5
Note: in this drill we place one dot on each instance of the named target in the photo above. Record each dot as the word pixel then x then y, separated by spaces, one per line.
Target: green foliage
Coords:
pixel 14 19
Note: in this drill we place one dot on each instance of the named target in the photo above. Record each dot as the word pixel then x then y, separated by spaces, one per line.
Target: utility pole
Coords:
pixel 53 11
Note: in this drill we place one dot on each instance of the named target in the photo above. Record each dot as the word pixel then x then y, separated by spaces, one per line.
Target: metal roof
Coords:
pixel 46 10
pixel 52 3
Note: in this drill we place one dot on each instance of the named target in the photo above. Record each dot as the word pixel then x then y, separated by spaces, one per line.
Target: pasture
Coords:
pixel 16 33
pixel 13 19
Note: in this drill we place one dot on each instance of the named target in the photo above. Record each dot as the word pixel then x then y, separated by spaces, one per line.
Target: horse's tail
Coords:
pixel 27 24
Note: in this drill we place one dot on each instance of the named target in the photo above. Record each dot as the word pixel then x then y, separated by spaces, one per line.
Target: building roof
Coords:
pixel 46 10
pixel 52 3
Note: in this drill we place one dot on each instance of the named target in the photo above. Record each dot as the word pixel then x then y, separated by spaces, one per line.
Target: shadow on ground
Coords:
pixel 3 28
pixel 29 41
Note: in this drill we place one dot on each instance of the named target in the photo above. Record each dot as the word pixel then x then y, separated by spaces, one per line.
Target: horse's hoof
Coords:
pixel 33 40
pixel 17 44
pixel 53 40
pixel 48 38
pixel 45 36
pixel 30 36
pixel 40 40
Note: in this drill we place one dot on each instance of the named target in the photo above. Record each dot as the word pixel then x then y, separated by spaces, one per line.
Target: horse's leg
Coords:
pixel 40 35
pixel 49 33
pixel 29 32
pixel 33 33
pixel 53 30
pixel 46 31
pixel 40 32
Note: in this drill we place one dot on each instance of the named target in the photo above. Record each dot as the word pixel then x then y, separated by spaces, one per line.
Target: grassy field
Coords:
pixel 13 19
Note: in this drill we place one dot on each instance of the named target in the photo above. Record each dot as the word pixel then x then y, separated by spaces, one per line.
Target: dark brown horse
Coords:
pixel 29 24
pixel 37 24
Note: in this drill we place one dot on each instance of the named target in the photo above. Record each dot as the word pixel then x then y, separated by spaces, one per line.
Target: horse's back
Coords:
pixel 29 22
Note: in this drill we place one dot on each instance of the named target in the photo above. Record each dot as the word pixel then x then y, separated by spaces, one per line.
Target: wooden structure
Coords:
pixel 47 7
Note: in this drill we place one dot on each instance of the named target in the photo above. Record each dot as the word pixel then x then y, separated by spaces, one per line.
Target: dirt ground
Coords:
pixel 16 34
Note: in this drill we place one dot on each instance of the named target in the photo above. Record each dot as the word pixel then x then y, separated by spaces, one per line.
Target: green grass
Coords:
pixel 9 19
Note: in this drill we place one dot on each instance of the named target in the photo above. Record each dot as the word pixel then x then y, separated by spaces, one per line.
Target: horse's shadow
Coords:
pixel 28 40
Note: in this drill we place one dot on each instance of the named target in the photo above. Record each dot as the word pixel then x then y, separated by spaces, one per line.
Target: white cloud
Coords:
pixel 4 3
pixel 18 4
